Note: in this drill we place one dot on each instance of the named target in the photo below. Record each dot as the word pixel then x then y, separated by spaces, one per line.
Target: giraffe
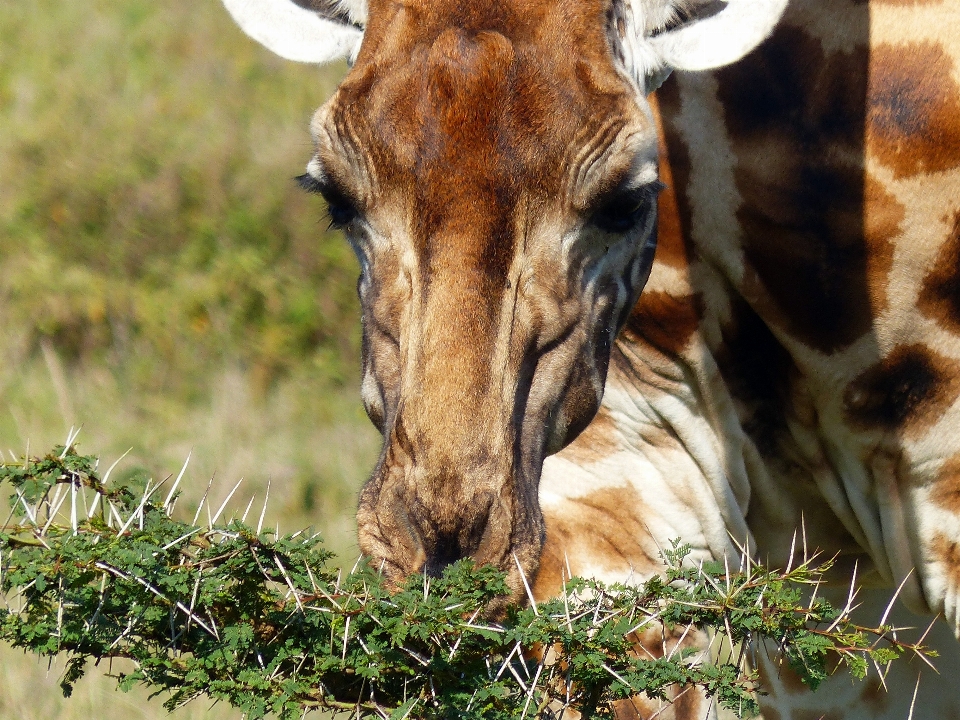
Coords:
pixel 792 362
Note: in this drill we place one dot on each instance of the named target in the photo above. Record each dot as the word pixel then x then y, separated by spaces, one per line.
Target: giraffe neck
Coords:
pixel 793 362
pixel 821 262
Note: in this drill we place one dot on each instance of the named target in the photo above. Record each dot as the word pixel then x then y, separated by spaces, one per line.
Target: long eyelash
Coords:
pixel 340 209
pixel 644 192
pixel 309 183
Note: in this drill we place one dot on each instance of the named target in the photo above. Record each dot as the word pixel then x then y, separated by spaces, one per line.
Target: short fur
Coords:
pixel 793 364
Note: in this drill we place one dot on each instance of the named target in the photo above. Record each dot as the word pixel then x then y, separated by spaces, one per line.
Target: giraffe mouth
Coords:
pixel 406 529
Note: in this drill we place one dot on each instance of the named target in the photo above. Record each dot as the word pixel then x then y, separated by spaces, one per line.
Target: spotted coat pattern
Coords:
pixel 794 360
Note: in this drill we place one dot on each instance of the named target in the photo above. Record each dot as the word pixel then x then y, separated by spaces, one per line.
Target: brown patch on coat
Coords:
pixel 795 116
pixel 682 703
pixel 946 490
pixel 791 682
pixel 913 117
pixel 756 368
pixel 782 672
pixel 947 551
pixel 687 704
pixel 632 709
pixel 906 391
pixel 612 519
pixel 664 321
pixel 673 244
pixel 883 217
pixel 939 298
pixel 597 442
pixel 674 240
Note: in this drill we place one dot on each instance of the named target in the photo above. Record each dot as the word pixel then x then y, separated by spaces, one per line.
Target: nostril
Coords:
pixel 446 551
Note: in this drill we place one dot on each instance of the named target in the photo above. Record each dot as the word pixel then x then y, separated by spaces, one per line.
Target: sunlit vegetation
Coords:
pixel 230 610
pixel 163 282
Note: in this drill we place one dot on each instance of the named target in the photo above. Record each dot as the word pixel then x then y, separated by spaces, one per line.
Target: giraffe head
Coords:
pixel 494 165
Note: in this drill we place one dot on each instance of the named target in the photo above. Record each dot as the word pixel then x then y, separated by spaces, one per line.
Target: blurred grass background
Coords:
pixel 163 282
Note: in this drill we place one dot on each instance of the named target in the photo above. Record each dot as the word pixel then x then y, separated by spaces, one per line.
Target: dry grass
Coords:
pixel 31 692
pixel 162 281
pixel 148 218
pixel 314 450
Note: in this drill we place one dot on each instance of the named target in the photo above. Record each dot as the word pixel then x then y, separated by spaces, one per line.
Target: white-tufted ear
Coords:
pixel 314 31
pixel 659 36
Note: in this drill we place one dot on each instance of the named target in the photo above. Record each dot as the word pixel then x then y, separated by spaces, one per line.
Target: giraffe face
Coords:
pixel 493 164
pixel 501 200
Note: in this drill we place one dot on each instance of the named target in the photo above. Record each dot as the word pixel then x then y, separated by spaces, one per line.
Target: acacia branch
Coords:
pixel 200 611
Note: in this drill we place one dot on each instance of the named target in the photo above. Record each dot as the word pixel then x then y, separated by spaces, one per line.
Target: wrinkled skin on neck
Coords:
pixel 497 178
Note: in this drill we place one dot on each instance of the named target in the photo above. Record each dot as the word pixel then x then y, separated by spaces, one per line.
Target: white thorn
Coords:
pixel 684 637
pixel 196 515
pixel 264 510
pixel 137 512
pixel 346 632
pixel 71 437
pixel 179 539
pixel 853 587
pixel 927 631
pixel 793 547
pixel 243 518
pixel 114 514
pixel 845 613
pixel 746 556
pixel 83 497
pixel 30 513
pixel 803 528
pixel 176 483
pixel 73 506
pixel 216 515
pixel 526 585
pixel 57 503
pixel 913 702
pixel 886 613
pixel 283 571
pixel 106 475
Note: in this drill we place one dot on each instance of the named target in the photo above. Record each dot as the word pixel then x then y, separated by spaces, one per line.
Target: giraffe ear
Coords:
pixel 314 31
pixel 655 37
pixel 728 32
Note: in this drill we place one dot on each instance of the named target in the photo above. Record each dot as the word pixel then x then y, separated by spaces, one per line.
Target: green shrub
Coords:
pixel 233 612
pixel 148 216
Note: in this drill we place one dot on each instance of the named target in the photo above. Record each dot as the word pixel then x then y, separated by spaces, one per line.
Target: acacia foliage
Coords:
pixel 233 612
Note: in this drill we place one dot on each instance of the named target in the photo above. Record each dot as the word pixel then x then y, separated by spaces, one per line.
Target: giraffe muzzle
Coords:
pixel 414 519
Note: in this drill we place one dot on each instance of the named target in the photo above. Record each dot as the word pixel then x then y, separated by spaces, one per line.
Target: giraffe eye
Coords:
pixel 339 207
pixel 626 209
pixel 341 215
